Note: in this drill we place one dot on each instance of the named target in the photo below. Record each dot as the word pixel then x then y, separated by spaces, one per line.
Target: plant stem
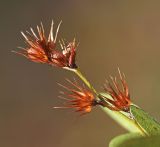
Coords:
pixel 80 75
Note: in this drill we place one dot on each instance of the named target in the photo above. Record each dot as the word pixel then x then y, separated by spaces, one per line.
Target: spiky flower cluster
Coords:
pixel 120 96
pixel 79 97
pixel 44 50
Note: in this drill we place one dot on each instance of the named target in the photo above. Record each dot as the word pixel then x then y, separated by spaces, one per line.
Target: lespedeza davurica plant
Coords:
pixel 115 100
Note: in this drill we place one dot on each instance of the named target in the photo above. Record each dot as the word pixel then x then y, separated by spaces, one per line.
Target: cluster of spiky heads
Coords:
pixel 44 50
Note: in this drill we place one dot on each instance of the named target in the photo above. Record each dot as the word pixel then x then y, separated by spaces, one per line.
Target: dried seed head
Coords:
pixel 39 48
pixel 120 95
pixel 66 58
pixel 43 50
pixel 79 98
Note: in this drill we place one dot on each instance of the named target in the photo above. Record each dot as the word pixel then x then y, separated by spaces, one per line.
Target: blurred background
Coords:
pixel 112 34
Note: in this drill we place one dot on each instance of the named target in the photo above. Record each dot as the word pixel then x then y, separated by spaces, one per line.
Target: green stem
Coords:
pixel 80 75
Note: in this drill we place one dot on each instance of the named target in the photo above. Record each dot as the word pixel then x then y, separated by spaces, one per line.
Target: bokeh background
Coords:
pixel 112 34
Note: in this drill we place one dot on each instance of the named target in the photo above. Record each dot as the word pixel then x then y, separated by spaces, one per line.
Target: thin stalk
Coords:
pixel 80 75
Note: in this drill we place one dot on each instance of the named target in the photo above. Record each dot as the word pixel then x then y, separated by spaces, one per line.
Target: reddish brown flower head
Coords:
pixel 39 47
pixel 79 98
pixel 120 95
pixel 43 50
pixel 66 58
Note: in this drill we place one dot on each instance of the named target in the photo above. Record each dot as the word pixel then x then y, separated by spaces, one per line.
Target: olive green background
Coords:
pixel 112 33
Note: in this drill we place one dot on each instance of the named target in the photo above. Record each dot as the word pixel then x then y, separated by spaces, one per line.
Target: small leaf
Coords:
pixel 146 122
pixel 134 140
pixel 122 119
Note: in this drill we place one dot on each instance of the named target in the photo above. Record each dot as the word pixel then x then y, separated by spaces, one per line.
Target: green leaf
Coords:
pixel 123 119
pixel 142 123
pixel 145 121
pixel 134 140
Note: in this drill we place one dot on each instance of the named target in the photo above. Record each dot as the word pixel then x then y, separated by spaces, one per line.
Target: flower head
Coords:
pixel 66 58
pixel 120 96
pixel 43 50
pixel 79 98
pixel 39 48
